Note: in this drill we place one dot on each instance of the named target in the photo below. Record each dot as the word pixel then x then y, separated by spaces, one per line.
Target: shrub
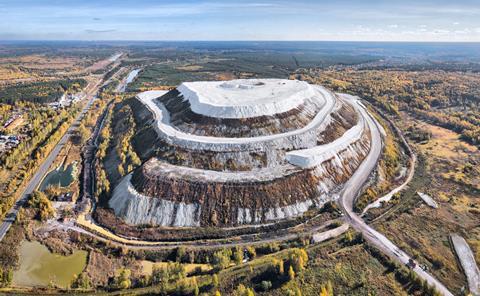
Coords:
pixel 243 291
pixel 251 252
pixel 123 281
pixel 298 259
pixel 266 285
pixel 238 255
pixel 80 281
pixel 42 205
pixel 173 272
pixel 221 259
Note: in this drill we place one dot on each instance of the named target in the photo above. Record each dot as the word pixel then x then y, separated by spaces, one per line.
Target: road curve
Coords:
pixel 354 185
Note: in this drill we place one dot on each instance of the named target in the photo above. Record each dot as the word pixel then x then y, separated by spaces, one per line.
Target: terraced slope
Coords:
pixel 242 152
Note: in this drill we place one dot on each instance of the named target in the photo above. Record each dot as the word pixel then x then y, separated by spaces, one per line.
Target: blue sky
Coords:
pixel 373 20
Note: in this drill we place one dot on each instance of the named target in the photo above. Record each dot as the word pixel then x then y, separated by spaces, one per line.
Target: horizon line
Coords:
pixel 233 40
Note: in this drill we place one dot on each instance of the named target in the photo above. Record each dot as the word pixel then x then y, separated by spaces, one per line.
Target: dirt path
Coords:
pixel 85 226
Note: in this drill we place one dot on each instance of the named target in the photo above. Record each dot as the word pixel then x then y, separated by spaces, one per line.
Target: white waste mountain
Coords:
pixel 247 151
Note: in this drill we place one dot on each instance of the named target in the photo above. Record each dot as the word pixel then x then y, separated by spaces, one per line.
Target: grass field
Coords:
pixel 148 266
pixel 350 269
pixel 443 172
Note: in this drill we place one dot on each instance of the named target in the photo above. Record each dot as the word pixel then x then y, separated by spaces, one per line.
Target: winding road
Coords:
pixel 346 200
pixel 354 185
pixel 346 197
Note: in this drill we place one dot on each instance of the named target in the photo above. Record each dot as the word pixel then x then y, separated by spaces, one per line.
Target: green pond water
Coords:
pixel 38 266
pixel 60 176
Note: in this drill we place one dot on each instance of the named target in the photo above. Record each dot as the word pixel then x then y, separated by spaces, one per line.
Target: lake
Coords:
pixel 60 176
pixel 38 266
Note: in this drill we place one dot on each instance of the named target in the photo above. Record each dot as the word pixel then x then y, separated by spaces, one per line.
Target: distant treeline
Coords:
pixel 447 99
pixel 40 92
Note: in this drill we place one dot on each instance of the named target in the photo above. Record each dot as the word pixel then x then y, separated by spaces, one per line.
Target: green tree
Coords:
pixel 121 170
pixel 291 273
pixel 6 277
pixel 81 281
pixel 327 289
pixel 215 280
pixel 160 276
pixel 174 271
pixel 281 268
pixel 83 133
pixel 298 292
pixel 221 259
pixel 238 255
pixel 123 280
pixel 298 259
pixel 243 291
pixel 42 205
pixel 180 254
pixel 349 236
pixel 251 252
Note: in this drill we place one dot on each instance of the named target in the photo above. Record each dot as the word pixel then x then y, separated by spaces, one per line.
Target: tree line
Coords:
pixel 40 92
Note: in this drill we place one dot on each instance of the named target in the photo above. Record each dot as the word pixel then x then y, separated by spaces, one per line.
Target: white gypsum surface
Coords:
pixel 166 170
pixel 245 98
pixel 467 260
pixel 169 133
pixel 311 157
pixel 137 208
pixel 323 153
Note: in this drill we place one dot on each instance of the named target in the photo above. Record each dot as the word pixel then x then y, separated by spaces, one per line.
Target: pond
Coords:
pixel 60 176
pixel 38 266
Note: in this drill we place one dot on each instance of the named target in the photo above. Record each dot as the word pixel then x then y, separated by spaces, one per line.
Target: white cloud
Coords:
pixel 100 31
pixel 441 32
pixel 465 31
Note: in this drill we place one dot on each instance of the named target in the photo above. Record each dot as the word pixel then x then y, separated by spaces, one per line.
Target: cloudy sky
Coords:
pixel 388 20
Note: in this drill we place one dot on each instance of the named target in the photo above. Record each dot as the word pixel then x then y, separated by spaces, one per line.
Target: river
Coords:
pixel 130 77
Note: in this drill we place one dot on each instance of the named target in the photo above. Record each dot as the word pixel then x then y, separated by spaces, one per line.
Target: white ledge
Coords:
pixel 312 157
pixel 296 139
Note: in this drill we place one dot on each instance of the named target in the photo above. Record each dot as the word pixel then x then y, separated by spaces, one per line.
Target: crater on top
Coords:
pixel 244 98
pixel 246 84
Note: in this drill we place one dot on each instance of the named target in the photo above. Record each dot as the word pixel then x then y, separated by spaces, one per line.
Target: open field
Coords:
pixel 424 231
